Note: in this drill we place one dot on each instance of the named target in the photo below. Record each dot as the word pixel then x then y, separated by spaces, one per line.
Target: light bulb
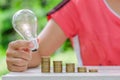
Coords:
pixel 25 23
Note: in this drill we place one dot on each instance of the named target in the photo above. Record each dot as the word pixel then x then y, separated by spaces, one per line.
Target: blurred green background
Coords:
pixel 7 34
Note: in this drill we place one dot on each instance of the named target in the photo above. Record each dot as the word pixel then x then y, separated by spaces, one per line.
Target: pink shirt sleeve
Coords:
pixel 67 18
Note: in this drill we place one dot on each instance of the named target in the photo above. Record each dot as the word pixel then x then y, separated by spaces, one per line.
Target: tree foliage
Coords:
pixel 9 7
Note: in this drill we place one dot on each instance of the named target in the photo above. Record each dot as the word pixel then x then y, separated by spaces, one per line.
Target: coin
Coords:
pixel 57 62
pixel 57 70
pixel 70 67
pixel 82 69
pixel 57 65
pixel 45 58
pixel 93 70
pixel 45 64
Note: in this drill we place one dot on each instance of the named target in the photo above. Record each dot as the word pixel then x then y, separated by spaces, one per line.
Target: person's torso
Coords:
pixel 99 33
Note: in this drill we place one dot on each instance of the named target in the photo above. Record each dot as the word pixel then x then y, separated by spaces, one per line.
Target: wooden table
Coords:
pixel 104 73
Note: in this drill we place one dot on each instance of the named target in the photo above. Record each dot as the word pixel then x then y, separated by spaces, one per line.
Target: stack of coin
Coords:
pixel 57 65
pixel 70 67
pixel 82 69
pixel 45 64
pixel 93 70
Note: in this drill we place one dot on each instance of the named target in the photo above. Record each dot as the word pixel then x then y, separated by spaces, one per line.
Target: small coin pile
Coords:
pixel 45 64
pixel 93 70
pixel 57 65
pixel 82 69
pixel 70 67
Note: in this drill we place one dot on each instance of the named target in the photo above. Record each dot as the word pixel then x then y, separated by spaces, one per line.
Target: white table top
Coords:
pixel 104 73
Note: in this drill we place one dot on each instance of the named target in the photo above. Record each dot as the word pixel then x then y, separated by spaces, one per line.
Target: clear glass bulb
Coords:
pixel 25 23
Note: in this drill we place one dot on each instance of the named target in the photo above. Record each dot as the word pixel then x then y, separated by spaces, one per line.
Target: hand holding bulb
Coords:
pixel 25 23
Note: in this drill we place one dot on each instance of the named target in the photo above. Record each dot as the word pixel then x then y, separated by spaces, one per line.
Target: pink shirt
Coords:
pixel 97 27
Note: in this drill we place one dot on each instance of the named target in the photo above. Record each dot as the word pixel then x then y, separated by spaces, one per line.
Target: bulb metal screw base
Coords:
pixel 36 45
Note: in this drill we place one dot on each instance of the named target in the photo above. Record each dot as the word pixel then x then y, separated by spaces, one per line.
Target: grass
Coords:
pixel 67 57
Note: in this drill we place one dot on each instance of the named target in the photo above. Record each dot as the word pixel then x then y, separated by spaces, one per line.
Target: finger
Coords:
pixel 17 62
pixel 19 54
pixel 20 43
pixel 14 68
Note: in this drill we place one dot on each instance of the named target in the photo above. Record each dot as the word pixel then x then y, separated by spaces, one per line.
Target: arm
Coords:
pixel 19 56
pixel 49 39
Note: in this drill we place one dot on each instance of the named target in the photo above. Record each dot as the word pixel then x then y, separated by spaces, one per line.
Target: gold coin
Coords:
pixel 70 67
pixel 82 69
pixel 58 70
pixel 45 64
pixel 45 58
pixel 93 70
pixel 57 65
pixel 45 70
pixel 57 62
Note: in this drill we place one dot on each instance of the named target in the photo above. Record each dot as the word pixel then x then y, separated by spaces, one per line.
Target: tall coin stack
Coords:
pixel 70 67
pixel 57 65
pixel 45 64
